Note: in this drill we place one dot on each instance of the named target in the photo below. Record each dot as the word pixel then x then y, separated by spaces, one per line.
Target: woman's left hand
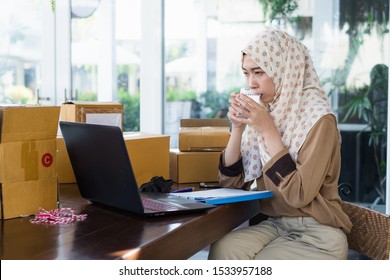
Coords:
pixel 255 115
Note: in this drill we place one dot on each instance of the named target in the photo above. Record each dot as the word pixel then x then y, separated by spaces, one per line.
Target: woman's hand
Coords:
pixel 256 116
pixel 234 111
pixel 252 113
pixel 233 148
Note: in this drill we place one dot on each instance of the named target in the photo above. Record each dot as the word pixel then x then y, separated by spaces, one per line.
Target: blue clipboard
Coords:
pixel 254 195
pixel 224 195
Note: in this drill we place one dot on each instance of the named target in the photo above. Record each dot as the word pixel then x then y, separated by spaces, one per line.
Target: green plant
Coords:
pixel 360 17
pixel 131 110
pixel 19 94
pixel 216 104
pixel 87 96
pixel 369 103
pixel 278 8
pixel 281 11
pixel 53 5
pixel 174 94
pixel 356 104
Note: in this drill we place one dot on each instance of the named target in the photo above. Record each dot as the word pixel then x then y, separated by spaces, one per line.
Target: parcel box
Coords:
pixel 194 167
pixel 109 113
pixel 28 166
pixel 65 169
pixel 149 155
pixel 203 134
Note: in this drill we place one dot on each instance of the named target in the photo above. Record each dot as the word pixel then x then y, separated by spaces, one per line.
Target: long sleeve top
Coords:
pixel 307 187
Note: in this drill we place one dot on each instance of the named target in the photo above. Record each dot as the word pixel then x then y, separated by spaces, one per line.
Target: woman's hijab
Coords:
pixel 300 101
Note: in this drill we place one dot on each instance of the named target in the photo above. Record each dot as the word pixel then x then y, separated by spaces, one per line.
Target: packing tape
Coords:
pixel 30 160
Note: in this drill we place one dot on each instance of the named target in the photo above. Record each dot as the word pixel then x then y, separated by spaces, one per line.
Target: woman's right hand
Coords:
pixel 233 149
pixel 233 111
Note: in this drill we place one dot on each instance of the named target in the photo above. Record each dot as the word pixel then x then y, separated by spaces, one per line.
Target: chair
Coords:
pixel 370 233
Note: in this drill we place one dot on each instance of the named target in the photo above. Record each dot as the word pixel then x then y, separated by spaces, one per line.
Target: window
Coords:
pixel 106 56
pixel 202 56
pixel 22 51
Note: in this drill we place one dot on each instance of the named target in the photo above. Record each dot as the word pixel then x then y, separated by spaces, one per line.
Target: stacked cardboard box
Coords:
pixel 28 160
pixel 149 155
pixel 110 113
pixel 200 144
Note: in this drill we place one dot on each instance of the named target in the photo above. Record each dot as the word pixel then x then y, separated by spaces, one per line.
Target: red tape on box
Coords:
pixel 57 216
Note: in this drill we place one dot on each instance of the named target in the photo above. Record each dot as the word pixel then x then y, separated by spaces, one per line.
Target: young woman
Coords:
pixel 288 141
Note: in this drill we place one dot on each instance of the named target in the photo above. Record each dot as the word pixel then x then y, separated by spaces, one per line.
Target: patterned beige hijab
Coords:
pixel 299 102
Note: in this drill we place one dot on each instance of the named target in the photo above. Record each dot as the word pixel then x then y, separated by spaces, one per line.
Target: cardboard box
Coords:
pixel 203 134
pixel 109 113
pixel 194 167
pixel 65 170
pixel 28 161
pixel 149 155
pixel 26 197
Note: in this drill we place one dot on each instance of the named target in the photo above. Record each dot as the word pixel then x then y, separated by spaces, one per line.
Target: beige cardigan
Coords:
pixel 308 187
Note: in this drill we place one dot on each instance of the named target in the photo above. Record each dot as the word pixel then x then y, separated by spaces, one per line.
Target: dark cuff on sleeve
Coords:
pixel 282 167
pixel 232 170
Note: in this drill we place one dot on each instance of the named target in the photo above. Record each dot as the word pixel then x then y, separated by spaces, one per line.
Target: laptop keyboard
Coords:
pixel 156 205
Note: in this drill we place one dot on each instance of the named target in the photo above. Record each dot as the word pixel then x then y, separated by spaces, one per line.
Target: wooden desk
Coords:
pixel 112 234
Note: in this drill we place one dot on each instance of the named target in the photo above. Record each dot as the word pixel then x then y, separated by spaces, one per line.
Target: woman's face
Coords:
pixel 258 80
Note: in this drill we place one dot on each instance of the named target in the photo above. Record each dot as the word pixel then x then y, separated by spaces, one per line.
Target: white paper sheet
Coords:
pixel 114 119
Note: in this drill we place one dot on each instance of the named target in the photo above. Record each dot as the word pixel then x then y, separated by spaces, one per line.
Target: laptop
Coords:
pixel 104 175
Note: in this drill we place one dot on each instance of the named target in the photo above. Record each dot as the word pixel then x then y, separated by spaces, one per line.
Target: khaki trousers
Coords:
pixel 283 238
